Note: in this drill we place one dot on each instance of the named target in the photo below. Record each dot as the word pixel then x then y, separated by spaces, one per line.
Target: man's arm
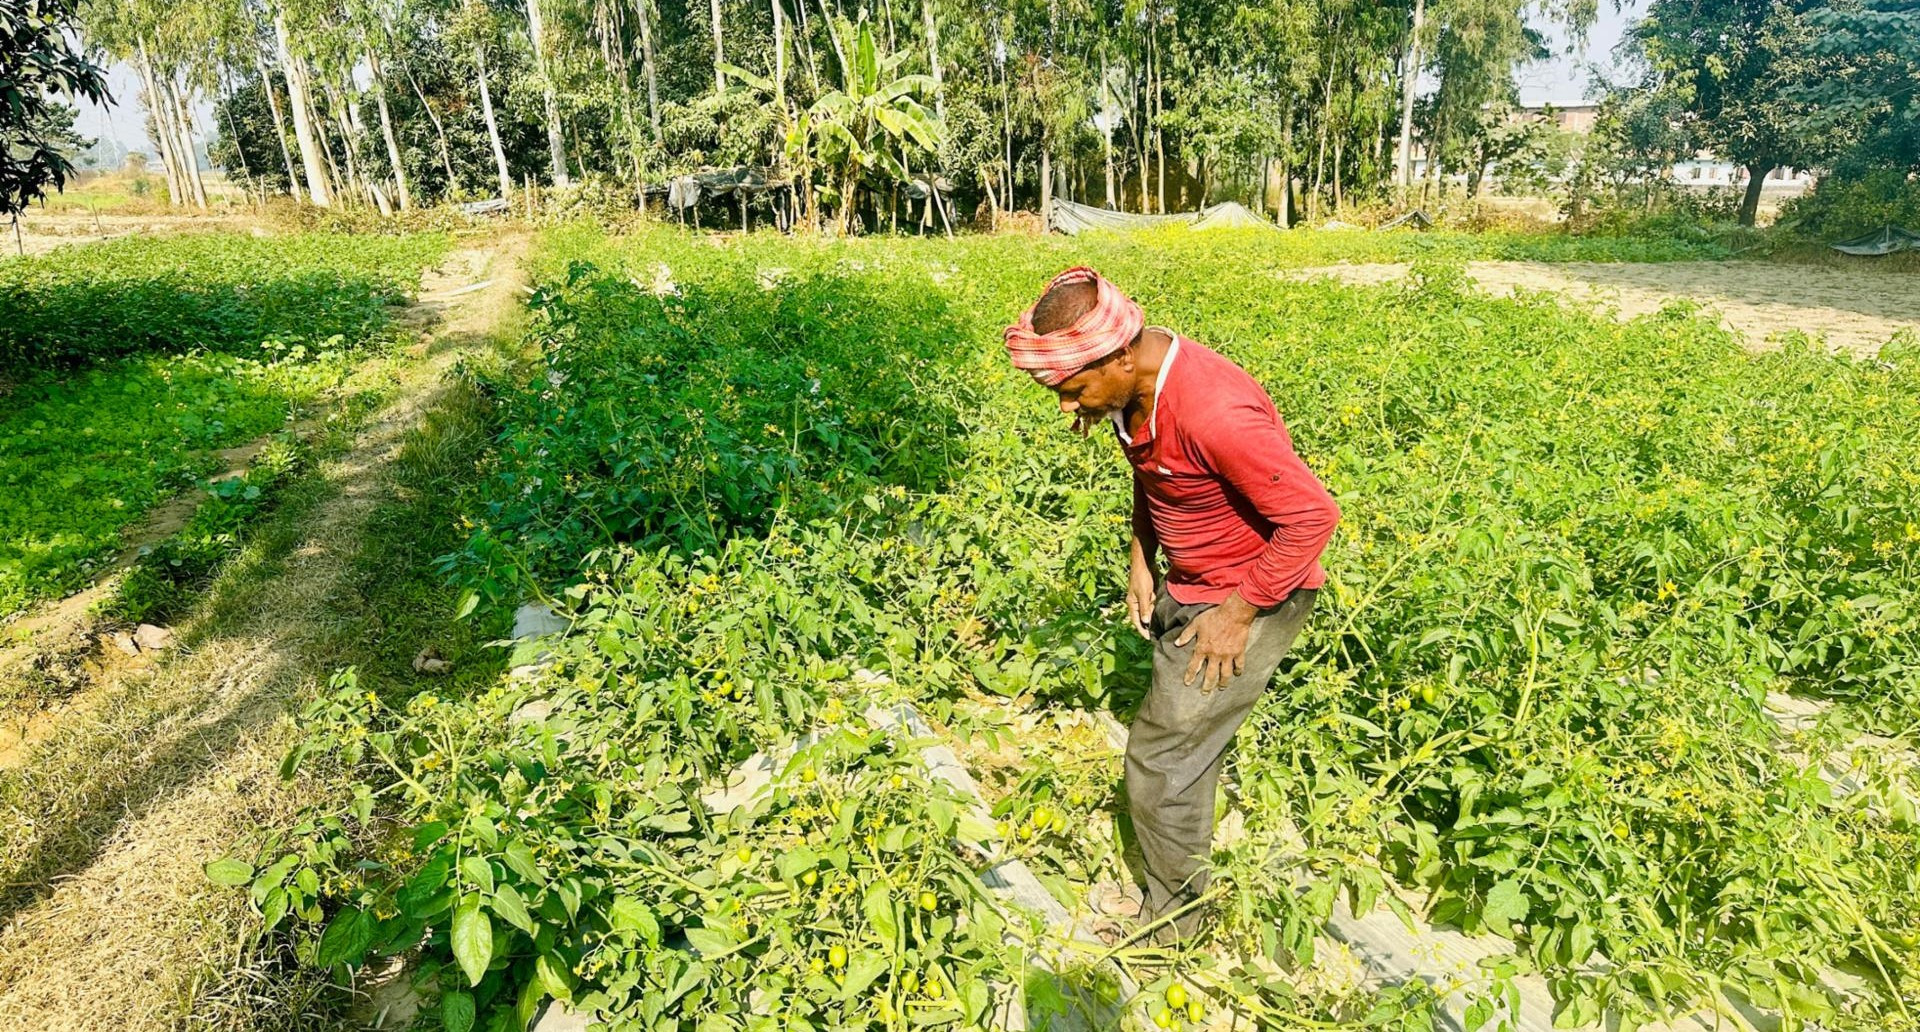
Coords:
pixel 1143 575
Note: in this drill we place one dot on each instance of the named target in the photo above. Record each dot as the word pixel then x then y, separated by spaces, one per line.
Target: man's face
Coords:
pixel 1098 391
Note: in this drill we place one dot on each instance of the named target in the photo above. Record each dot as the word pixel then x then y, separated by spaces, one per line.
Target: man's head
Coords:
pixel 1105 385
pixel 1078 340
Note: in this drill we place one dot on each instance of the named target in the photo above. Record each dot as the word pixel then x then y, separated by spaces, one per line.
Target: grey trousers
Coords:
pixel 1179 741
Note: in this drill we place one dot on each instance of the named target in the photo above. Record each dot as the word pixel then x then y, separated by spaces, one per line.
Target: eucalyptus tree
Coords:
pixel 476 25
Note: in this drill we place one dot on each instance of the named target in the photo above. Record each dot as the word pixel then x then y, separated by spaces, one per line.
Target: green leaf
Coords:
pixel 508 904
pixel 468 602
pixel 711 940
pixel 478 872
pixel 630 915
pixel 456 1010
pixel 554 977
pixel 797 861
pixel 758 82
pixel 866 60
pixel 1578 1010
pixel 518 857
pixel 291 764
pixel 866 966
pixel 228 871
pixel 346 939
pixel 472 939
pixel 1505 904
pixel 877 905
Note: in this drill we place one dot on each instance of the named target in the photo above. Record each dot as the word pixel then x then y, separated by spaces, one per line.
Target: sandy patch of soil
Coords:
pixel 1852 309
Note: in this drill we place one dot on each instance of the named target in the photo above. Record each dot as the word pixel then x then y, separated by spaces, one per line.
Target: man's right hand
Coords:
pixel 1142 585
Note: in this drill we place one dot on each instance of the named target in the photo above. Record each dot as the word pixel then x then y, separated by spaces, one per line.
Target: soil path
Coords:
pixel 106 918
pixel 1854 309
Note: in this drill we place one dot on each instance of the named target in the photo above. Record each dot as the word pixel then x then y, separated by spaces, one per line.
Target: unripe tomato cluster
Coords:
pixel 1178 1006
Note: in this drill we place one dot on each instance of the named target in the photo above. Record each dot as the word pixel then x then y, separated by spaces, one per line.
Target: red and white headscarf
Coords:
pixel 1051 358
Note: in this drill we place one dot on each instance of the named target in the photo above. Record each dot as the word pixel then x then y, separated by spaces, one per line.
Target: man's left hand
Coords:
pixel 1221 636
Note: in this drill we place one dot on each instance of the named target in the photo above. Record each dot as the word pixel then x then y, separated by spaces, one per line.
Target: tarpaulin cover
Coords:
pixel 1073 219
pixel 686 191
pixel 1885 240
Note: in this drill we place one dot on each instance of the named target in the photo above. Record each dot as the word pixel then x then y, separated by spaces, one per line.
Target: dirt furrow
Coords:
pixel 106 918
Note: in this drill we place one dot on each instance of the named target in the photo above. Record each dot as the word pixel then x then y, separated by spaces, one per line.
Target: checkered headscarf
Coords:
pixel 1051 358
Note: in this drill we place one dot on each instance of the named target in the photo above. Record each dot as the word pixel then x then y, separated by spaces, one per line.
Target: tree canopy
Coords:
pixel 40 63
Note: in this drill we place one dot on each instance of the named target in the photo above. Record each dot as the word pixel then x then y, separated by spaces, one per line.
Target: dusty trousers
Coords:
pixel 1179 740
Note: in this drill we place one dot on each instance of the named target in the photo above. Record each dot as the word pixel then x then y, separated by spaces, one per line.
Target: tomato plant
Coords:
pixel 1576 555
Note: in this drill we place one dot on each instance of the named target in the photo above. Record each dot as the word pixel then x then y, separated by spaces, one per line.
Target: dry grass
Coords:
pixel 106 919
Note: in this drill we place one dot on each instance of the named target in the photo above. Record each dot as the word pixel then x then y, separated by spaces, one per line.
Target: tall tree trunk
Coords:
pixel 806 46
pixel 163 136
pixel 719 48
pixel 439 128
pixel 493 125
pixel 302 104
pixel 647 66
pixel 1139 122
pixel 833 36
pixel 1409 76
pixel 279 127
pixel 556 143
pixel 1106 134
pixel 1339 148
pixel 779 59
pixel 190 154
pixel 929 26
pixel 1006 136
pixel 1756 181
pixel 356 183
pixel 386 130
pixel 1286 170
pixel 338 185
pixel 226 104
pixel 1159 135
pixel 1046 185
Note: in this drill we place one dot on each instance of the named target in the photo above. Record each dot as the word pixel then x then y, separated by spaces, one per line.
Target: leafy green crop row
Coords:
pixel 83 458
pixel 85 453
pixel 1575 556
pixel 217 291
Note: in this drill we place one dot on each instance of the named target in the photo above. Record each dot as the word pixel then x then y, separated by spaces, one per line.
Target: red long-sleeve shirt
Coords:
pixel 1215 472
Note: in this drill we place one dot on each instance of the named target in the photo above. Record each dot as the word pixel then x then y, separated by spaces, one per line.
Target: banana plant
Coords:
pixel 866 125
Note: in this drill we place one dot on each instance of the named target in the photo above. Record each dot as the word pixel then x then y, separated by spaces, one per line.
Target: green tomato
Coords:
pixel 837 957
pixel 928 901
pixel 1176 995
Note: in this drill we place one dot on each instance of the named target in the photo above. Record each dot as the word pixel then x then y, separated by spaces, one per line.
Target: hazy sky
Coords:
pixel 1562 80
pixel 1565 79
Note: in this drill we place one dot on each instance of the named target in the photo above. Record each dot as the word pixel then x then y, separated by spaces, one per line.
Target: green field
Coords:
pixel 1575 556
pixel 129 365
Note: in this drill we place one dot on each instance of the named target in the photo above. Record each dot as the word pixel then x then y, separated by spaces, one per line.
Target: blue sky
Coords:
pixel 1562 80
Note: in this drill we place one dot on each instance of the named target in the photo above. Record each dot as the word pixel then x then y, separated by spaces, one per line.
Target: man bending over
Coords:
pixel 1242 521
